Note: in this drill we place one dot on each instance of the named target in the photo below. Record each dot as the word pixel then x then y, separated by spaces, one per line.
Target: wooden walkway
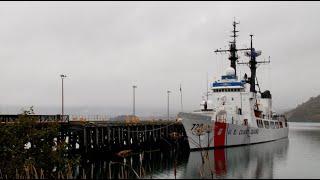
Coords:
pixel 105 136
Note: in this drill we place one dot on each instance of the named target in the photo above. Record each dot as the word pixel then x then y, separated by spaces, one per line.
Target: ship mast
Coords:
pixel 233 57
pixel 253 54
pixel 253 67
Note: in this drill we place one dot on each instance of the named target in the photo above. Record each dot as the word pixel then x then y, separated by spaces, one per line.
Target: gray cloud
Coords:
pixel 105 47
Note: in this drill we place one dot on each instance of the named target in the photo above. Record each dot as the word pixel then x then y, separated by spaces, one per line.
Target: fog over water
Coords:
pixel 106 47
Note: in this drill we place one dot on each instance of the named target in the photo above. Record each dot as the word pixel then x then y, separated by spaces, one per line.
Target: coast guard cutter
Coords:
pixel 239 114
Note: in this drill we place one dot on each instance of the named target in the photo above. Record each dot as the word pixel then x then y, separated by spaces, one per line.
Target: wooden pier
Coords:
pixel 104 136
pixel 113 136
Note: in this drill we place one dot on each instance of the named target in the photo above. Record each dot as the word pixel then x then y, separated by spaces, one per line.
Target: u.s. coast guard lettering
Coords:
pixel 242 132
pixel 235 112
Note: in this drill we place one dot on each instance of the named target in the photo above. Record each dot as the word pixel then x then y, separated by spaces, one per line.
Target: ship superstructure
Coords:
pixel 236 113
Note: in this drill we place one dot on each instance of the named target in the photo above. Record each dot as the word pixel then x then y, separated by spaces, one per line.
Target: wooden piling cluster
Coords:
pixel 113 136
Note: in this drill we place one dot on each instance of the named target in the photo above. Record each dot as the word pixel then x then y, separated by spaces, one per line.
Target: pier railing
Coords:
pixel 89 118
pixel 11 118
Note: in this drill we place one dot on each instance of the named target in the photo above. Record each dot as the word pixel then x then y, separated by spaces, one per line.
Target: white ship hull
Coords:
pixel 204 133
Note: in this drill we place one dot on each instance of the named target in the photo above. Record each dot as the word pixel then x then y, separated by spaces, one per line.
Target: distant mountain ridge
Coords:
pixel 308 111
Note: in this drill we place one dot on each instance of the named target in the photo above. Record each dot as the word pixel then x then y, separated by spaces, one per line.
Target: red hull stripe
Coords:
pixel 220 165
pixel 219 134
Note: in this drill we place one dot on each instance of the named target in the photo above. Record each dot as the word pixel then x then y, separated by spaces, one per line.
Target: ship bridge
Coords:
pixel 228 83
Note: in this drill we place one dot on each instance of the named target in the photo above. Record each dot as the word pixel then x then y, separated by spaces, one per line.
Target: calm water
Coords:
pixel 295 157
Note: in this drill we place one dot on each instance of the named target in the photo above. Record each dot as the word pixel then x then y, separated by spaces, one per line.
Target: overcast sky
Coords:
pixel 106 47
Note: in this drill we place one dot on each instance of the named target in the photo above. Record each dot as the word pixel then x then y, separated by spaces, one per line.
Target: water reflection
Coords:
pixel 254 161
pixel 145 164
pixel 295 157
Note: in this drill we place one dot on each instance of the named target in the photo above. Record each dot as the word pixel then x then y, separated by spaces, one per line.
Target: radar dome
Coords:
pixel 230 71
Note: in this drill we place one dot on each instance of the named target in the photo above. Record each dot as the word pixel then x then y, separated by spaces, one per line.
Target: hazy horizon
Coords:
pixel 95 110
pixel 106 47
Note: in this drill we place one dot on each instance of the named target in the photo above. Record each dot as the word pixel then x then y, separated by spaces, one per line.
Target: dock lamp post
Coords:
pixel 168 92
pixel 134 100
pixel 62 111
